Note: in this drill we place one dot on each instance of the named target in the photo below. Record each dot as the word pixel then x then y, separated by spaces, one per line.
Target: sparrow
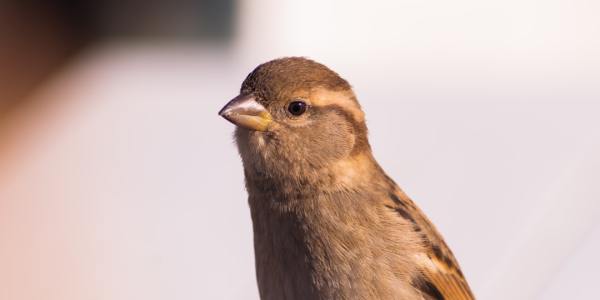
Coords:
pixel 328 222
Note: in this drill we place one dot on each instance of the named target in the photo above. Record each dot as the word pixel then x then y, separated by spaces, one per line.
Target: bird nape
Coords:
pixel 328 222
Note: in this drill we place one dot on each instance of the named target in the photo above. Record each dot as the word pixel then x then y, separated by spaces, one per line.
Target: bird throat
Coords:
pixel 300 231
pixel 299 186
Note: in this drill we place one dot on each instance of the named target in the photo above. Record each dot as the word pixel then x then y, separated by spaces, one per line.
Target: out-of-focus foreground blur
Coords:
pixel 119 181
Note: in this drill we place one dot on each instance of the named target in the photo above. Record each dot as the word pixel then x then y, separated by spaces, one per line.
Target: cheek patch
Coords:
pixel 330 138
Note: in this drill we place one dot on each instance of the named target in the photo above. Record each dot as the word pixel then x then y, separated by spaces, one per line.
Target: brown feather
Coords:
pixel 437 263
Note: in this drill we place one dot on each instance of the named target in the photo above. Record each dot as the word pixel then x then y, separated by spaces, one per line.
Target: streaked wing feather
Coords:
pixel 441 277
pixel 446 279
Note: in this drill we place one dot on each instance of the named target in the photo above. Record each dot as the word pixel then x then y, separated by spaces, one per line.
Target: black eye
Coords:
pixel 297 108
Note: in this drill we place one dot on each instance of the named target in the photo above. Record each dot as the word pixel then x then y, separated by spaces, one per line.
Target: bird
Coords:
pixel 328 223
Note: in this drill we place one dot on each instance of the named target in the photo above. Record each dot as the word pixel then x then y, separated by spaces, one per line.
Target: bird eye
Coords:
pixel 297 108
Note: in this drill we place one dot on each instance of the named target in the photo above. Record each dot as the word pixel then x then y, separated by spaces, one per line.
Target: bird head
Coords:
pixel 296 114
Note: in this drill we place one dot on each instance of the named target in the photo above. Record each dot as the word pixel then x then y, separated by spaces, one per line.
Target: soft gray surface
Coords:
pixel 125 184
pixel 130 186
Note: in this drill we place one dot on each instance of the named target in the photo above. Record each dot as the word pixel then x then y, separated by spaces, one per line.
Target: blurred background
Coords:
pixel 119 181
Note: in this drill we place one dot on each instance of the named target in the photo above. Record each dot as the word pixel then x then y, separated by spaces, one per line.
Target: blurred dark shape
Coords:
pixel 206 19
pixel 38 37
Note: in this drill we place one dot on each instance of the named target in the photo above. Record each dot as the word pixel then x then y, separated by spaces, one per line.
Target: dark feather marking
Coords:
pixel 437 251
pixel 389 180
pixel 396 199
pixel 428 288
pixel 405 215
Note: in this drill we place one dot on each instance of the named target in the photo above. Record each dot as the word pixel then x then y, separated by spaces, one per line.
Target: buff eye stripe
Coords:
pixel 344 98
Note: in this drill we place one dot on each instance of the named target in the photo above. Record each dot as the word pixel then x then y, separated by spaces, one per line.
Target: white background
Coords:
pixel 121 182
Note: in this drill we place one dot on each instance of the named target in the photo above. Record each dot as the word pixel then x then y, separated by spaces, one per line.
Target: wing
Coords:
pixel 440 275
pixel 441 281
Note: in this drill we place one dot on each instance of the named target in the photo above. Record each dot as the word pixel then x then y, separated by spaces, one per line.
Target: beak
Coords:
pixel 246 112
